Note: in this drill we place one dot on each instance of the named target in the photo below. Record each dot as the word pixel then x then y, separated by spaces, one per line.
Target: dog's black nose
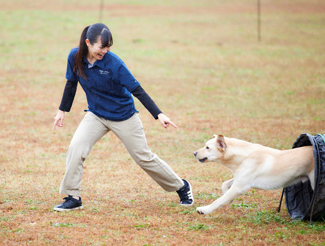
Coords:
pixel 195 153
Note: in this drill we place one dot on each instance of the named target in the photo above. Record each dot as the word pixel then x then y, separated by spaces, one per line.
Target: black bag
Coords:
pixel 301 201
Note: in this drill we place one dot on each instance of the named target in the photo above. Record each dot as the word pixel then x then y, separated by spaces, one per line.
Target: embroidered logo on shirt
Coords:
pixel 104 72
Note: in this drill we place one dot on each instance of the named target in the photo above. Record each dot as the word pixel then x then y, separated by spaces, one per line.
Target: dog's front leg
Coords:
pixel 226 185
pixel 230 195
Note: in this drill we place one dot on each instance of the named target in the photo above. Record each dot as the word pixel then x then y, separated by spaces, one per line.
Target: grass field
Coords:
pixel 202 64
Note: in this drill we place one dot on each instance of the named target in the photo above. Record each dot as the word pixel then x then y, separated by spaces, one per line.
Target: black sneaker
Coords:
pixel 70 203
pixel 185 194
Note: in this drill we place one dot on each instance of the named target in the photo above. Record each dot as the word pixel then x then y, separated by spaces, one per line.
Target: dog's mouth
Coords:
pixel 203 160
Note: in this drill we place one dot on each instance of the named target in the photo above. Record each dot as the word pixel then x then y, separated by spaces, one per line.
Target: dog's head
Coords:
pixel 213 149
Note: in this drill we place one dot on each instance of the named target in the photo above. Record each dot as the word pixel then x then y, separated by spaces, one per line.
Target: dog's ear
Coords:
pixel 221 144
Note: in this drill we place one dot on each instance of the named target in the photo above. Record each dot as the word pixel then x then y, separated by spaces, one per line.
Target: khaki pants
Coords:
pixel 91 129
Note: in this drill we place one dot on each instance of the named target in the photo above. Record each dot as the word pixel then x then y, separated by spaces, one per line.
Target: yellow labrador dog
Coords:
pixel 255 166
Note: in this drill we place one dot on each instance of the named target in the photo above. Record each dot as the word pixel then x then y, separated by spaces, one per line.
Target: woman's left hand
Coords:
pixel 165 121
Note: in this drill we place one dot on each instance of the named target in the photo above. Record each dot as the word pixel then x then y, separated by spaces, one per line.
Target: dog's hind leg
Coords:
pixel 226 185
pixel 311 177
pixel 230 195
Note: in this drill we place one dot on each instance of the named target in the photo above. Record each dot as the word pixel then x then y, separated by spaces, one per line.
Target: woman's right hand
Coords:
pixel 58 119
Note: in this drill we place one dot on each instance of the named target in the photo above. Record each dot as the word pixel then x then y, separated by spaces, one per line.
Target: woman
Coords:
pixel 109 87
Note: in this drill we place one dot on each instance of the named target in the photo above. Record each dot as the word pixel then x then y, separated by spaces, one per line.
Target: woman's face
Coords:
pixel 96 50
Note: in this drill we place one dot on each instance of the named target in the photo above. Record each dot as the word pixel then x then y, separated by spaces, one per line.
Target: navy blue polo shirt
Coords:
pixel 108 86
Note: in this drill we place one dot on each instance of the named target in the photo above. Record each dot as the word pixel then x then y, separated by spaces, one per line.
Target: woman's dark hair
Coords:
pixel 92 33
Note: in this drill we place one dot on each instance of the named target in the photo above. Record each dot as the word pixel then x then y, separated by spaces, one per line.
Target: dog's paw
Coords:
pixel 203 210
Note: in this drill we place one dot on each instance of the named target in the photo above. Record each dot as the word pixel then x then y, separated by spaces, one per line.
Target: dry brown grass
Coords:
pixel 203 66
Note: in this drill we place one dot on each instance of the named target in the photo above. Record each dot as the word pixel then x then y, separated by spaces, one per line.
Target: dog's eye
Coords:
pixel 207 147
